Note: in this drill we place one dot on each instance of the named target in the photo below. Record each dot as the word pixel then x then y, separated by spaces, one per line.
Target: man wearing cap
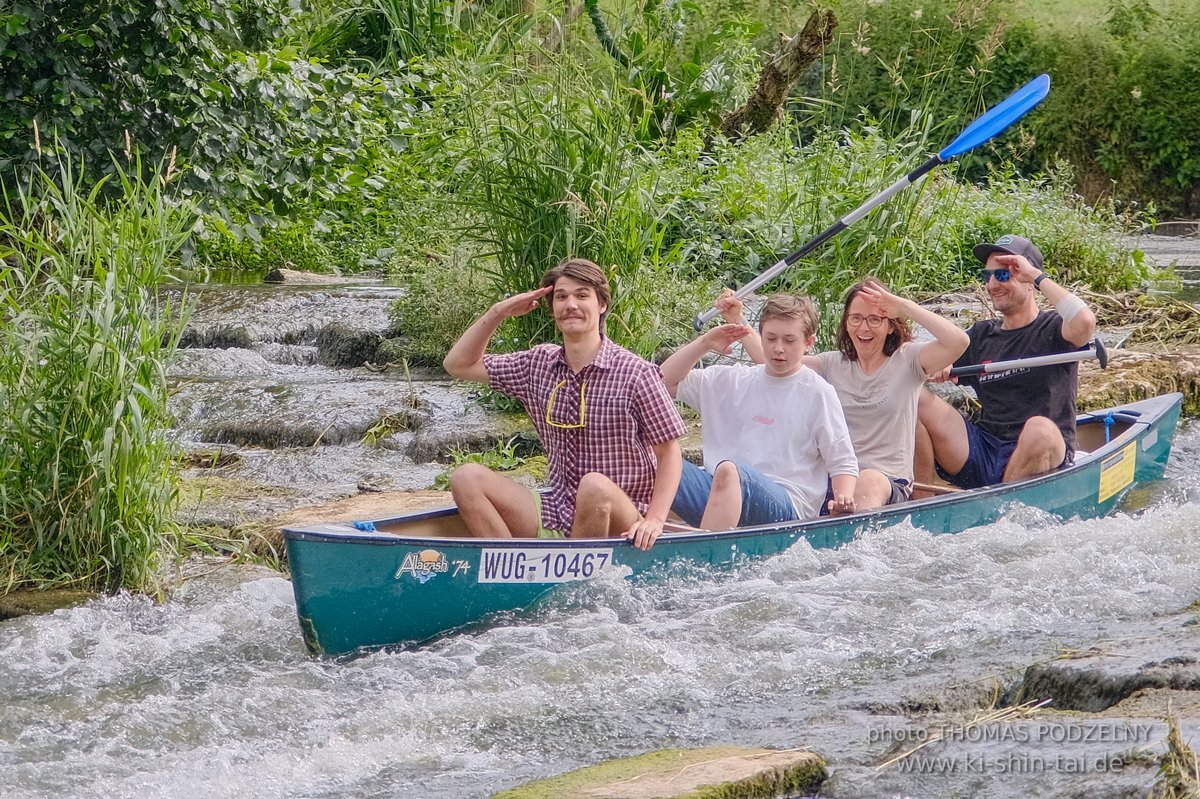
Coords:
pixel 1027 419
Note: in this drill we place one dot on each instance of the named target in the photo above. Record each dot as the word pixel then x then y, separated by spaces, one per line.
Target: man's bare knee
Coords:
pixel 469 477
pixel 594 489
pixel 1040 429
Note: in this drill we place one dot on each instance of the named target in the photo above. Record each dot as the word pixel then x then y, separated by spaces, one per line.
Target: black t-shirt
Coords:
pixel 1011 397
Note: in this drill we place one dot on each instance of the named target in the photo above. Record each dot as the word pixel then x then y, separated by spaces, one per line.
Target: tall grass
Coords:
pixel 556 168
pixel 87 481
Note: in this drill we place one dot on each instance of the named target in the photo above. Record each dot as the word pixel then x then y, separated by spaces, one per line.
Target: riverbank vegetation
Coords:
pixel 87 470
pixel 463 147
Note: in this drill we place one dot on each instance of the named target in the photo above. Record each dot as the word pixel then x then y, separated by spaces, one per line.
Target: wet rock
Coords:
pixel 1104 676
pixel 23 603
pixel 218 363
pixel 303 278
pixel 211 458
pixel 1132 375
pixel 221 336
pixel 712 773
pixel 342 346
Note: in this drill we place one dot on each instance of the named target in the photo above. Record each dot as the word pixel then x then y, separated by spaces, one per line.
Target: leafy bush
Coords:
pixel 87 478
pixel 1125 106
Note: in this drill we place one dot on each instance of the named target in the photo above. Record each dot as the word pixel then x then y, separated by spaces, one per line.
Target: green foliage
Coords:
pixel 676 79
pixel 1123 110
pixel 256 127
pixel 440 301
pixel 510 456
pixel 896 62
pixel 1126 106
pixel 87 477
pixel 554 169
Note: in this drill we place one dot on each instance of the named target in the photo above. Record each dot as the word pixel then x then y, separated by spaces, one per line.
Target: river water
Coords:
pixel 212 694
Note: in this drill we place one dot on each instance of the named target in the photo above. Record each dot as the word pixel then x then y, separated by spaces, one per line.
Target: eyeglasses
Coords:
pixel 582 407
pixel 856 319
pixel 1001 275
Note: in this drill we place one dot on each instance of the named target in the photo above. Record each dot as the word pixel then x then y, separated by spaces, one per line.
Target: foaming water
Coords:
pixel 212 693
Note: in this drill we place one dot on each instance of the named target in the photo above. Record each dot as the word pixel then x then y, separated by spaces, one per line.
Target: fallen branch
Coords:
pixel 786 66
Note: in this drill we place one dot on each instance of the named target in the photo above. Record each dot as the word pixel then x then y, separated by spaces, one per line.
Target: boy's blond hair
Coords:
pixel 791 306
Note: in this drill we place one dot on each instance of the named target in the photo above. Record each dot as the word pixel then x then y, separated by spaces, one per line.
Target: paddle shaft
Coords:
pixel 994 121
pixel 825 235
pixel 1028 363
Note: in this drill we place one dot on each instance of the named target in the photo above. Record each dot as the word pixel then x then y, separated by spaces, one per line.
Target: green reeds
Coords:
pixel 556 169
pixel 87 469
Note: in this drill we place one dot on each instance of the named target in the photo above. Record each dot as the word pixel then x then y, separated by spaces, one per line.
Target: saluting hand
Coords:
pixel 1018 266
pixel 720 339
pixel 521 304
pixel 888 304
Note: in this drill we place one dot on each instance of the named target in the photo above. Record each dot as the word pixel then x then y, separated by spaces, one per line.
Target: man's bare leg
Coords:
pixel 602 509
pixel 946 434
pixel 493 506
pixel 1040 449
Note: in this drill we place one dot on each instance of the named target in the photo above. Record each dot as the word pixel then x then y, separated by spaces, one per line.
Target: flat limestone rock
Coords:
pixel 23 603
pixel 303 278
pixel 1134 375
pixel 725 772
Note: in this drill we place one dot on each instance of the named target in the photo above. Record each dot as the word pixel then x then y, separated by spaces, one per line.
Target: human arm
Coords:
pixel 465 359
pixel 843 493
pixel 718 339
pixel 733 311
pixel 949 340
pixel 646 531
pixel 837 451
pixel 1079 322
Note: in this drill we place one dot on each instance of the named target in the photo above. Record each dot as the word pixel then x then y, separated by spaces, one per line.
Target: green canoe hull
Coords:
pixel 362 588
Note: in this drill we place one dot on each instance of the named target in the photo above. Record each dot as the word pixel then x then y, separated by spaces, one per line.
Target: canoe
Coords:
pixel 411 578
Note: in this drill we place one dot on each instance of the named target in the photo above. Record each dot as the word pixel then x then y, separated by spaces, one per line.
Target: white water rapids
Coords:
pixel 213 695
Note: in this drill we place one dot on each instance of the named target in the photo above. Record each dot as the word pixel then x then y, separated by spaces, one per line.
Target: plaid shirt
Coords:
pixel 626 410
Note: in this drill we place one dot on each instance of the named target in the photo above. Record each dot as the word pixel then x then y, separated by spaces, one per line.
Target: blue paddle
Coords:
pixel 993 121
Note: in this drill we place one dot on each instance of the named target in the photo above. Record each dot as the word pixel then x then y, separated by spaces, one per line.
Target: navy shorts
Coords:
pixel 987 458
pixel 901 492
pixel 763 500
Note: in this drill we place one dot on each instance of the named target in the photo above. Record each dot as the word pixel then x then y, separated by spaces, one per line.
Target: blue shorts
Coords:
pixel 987 458
pixel 763 500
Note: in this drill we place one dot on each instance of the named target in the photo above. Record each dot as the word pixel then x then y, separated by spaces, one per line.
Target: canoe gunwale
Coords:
pixel 1140 416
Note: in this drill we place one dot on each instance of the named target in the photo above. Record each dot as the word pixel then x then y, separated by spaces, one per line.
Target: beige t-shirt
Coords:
pixel 881 408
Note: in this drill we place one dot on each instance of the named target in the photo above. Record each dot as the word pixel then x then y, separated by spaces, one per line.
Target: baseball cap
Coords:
pixel 1013 245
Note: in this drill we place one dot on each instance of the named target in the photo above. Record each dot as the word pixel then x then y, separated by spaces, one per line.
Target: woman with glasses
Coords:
pixel 877 371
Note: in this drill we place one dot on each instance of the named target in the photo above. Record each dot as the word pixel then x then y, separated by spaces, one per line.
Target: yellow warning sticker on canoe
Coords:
pixel 1116 471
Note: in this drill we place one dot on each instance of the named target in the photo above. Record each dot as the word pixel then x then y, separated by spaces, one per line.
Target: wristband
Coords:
pixel 1037 281
pixel 1069 307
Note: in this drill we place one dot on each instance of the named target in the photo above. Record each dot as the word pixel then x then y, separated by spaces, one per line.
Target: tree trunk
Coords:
pixel 793 58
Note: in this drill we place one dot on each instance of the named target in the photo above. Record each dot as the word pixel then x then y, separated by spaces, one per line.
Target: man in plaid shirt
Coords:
pixel 606 421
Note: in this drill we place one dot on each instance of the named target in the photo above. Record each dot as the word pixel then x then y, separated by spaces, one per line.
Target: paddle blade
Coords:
pixel 999 117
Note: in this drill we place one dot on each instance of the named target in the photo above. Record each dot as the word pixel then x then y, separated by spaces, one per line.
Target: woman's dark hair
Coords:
pixel 901 329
